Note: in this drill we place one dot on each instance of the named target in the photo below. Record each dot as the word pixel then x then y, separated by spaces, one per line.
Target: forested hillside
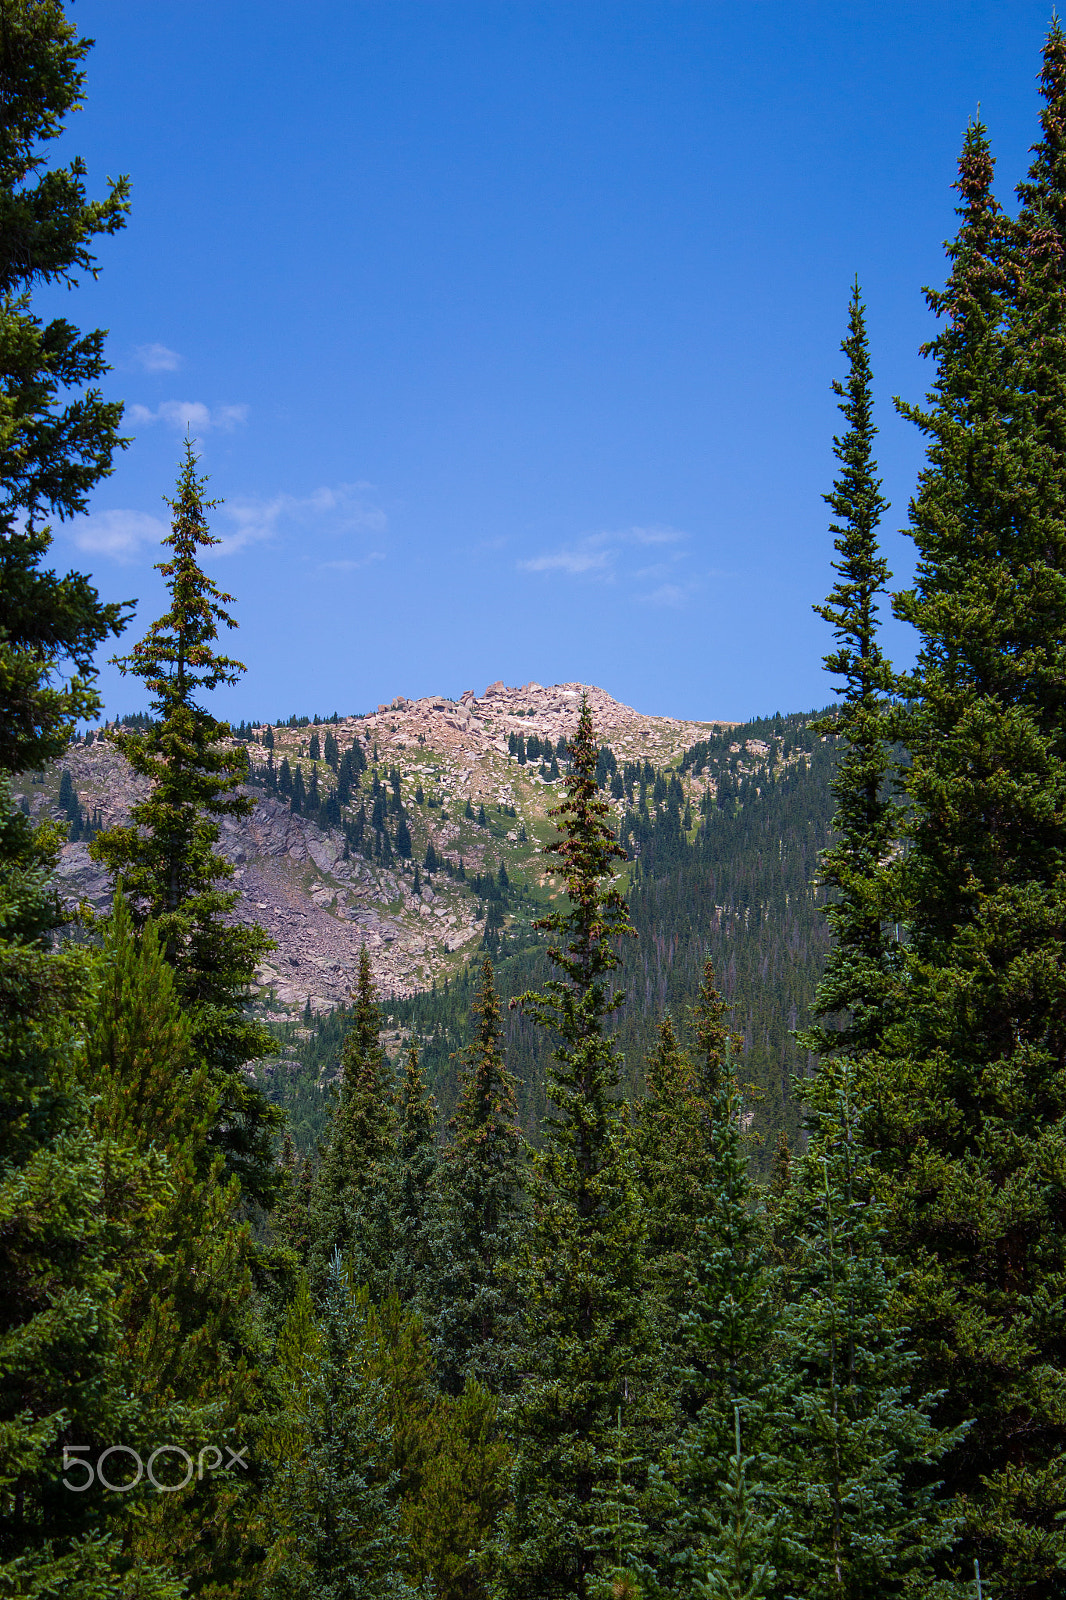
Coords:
pixel 736 886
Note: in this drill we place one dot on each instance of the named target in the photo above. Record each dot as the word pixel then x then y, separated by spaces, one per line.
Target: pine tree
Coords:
pixel 416 1158
pixel 463 1489
pixel 298 802
pixel 673 1147
pixel 969 1097
pixel 859 1449
pixel 738 1567
pixel 62 1384
pixel 53 450
pixel 476 1325
pixel 334 1509
pixel 353 1203
pixel 586 1329
pixel 183 1297
pixel 167 856
pixel 852 993
pixel 727 1333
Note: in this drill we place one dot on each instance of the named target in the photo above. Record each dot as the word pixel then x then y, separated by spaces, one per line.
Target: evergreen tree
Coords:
pixel 334 1509
pixel 738 1568
pixel 298 802
pixel 463 1489
pixel 183 1298
pixel 167 856
pixel 857 1444
pixel 477 1323
pixel 673 1145
pixel 852 992
pixel 727 1333
pixel 416 1151
pixel 353 1203
pixel 403 838
pixel 53 450
pixel 969 1096
pixel 586 1331
pixel 62 1385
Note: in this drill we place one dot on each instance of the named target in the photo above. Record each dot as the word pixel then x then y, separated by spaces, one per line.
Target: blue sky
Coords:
pixel 507 329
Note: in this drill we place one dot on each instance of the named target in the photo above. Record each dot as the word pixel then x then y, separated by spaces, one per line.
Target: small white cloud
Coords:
pixel 157 358
pixel 667 594
pixel 118 534
pixel 324 514
pixel 336 510
pixel 352 566
pixel 652 536
pixel 603 554
pixel 573 562
pixel 190 416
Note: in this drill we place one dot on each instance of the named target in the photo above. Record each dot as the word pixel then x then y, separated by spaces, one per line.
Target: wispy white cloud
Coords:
pixel 652 536
pixel 316 522
pixel 157 358
pixel 352 566
pixel 339 512
pixel 574 562
pixel 190 416
pixel 121 535
pixel 667 594
pixel 607 556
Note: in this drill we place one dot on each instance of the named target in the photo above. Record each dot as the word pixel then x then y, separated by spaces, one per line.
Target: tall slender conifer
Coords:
pixel 580 1454
pixel 476 1319
pixel 968 1094
pixel 167 855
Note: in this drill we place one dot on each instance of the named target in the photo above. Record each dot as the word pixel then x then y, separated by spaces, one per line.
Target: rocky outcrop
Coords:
pixel 319 905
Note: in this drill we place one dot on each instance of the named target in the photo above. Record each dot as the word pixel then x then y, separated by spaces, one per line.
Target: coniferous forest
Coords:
pixel 607 1288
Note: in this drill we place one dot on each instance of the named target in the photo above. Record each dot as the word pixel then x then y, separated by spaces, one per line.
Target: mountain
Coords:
pixel 723 823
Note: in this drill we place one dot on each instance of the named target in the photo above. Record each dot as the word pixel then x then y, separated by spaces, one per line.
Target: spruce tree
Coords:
pixel 167 855
pixel 334 1511
pixel 416 1158
pixel 476 1321
pixel 674 1144
pixel 858 1449
pixel 968 1094
pixel 727 1332
pixel 586 1327
pixel 183 1297
pixel 852 993
pixel 58 435
pixel 353 1201
pixel 63 1382
pixel 737 1565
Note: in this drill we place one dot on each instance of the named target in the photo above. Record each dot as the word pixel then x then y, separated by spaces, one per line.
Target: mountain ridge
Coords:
pixel 319 899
